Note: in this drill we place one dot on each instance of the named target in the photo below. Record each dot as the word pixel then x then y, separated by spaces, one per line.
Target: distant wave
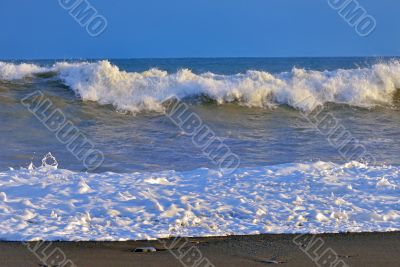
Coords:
pixel 9 71
pixel 301 89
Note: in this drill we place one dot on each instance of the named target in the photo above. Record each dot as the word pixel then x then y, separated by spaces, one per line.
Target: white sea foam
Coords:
pixel 303 89
pixel 9 71
pixel 53 204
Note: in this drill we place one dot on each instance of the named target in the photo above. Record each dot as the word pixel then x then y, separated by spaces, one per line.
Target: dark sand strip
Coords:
pixel 363 249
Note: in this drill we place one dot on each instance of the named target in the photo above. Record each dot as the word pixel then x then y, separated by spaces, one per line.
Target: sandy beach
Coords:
pixel 354 249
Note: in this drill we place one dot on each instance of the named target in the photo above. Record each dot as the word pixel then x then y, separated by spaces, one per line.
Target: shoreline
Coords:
pixel 353 249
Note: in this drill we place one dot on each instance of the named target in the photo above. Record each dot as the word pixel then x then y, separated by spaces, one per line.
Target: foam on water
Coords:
pixel 9 71
pixel 303 89
pixel 54 204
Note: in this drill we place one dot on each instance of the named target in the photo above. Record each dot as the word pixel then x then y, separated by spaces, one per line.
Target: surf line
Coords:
pixel 202 136
pixel 65 131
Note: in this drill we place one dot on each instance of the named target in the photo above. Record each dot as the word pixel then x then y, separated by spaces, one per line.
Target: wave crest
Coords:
pixel 10 71
pixel 107 84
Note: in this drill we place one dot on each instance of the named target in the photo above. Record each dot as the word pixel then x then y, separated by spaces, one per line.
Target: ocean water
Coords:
pixel 254 105
pixel 281 118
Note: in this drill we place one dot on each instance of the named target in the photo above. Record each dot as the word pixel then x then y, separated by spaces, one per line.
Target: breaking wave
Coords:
pixel 9 71
pixel 146 91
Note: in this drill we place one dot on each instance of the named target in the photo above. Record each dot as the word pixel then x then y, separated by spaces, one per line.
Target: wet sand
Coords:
pixel 361 249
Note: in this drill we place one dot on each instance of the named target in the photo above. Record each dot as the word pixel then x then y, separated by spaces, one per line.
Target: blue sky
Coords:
pixel 195 28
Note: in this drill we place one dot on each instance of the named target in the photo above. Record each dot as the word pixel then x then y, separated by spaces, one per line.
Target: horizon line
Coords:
pixel 211 57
